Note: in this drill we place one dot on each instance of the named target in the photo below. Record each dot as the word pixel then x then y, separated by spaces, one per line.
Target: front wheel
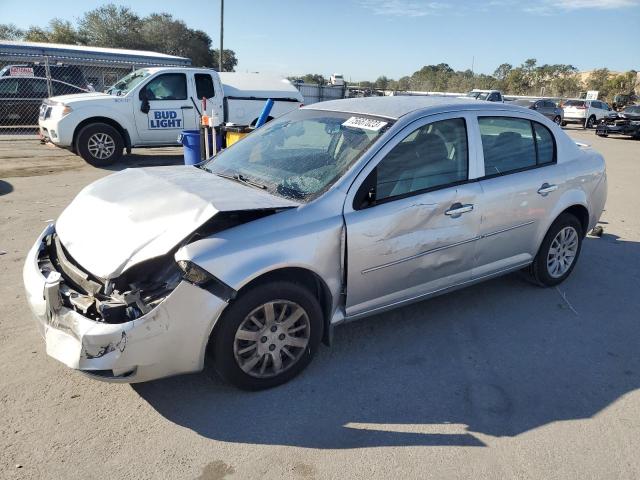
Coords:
pixel 557 120
pixel 267 336
pixel 100 144
pixel 559 251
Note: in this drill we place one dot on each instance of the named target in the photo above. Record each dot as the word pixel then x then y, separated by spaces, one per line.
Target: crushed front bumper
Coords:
pixel 169 340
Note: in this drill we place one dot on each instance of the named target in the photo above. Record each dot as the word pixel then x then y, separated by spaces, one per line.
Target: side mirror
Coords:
pixel 144 107
pixel 366 195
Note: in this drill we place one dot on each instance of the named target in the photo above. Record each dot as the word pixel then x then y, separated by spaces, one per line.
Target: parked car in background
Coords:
pixel 70 74
pixel 488 95
pixel 548 108
pixel 21 97
pixel 333 212
pixel 625 122
pixel 584 112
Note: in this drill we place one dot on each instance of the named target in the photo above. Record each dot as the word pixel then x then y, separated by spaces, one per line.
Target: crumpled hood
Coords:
pixel 142 213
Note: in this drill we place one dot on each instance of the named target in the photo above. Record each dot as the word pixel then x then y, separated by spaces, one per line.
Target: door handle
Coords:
pixel 458 209
pixel 545 189
pixel 186 107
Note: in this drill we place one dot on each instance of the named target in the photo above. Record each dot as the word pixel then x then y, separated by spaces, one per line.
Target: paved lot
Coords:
pixel 501 380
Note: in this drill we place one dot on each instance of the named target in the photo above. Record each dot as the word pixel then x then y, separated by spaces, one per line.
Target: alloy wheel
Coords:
pixel 101 145
pixel 562 252
pixel 272 338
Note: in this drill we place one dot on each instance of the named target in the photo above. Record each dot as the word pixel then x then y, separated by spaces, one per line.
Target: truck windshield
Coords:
pixel 301 154
pixel 125 84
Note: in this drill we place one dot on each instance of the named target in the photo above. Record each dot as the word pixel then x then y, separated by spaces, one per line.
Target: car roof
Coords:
pixel 396 107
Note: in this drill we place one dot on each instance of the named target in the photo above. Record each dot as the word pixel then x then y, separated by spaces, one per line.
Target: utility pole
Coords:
pixel 221 36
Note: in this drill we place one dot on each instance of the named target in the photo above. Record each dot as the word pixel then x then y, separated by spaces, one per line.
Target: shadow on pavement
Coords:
pixel 172 156
pixel 5 187
pixel 499 358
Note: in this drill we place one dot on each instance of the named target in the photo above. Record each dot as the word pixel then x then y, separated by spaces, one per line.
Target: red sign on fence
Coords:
pixel 21 71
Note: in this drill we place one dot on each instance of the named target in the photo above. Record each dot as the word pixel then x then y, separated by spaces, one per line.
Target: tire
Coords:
pixel 542 269
pixel 591 121
pixel 248 360
pixel 99 144
pixel 558 120
pixel 563 124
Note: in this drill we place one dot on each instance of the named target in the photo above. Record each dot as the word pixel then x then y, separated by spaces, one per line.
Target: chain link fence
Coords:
pixel 26 80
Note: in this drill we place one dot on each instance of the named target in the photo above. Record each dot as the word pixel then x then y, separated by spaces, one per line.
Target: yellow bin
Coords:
pixel 235 133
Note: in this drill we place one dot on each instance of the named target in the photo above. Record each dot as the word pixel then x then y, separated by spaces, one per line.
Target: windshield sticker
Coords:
pixel 364 123
pixel 165 119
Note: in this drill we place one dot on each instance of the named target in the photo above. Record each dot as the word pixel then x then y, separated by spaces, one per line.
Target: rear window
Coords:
pixel 204 86
pixel 574 103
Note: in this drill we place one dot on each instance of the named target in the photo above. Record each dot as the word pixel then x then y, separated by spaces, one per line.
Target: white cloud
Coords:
pixel 596 4
pixel 551 7
pixel 423 8
pixel 404 8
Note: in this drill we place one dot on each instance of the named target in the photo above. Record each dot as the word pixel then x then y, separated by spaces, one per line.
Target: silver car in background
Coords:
pixel 546 107
pixel 331 213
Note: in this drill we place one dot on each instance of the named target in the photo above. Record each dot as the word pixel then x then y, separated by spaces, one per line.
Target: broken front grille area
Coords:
pixel 112 301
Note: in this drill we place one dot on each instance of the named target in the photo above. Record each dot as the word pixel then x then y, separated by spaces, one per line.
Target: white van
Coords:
pixel 336 79
pixel 151 106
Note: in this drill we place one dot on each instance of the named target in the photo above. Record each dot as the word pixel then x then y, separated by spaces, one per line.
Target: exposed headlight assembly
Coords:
pixel 66 110
pixel 203 279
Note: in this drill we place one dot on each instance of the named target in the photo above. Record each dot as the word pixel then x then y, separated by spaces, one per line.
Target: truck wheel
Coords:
pixel 99 144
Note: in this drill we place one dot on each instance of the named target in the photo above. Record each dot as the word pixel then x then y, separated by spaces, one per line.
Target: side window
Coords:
pixel 168 86
pixel 36 88
pixel 9 87
pixel 545 144
pixel 433 156
pixel 507 144
pixel 60 88
pixel 204 86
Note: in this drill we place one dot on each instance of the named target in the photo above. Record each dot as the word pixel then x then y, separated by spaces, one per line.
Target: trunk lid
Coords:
pixel 142 213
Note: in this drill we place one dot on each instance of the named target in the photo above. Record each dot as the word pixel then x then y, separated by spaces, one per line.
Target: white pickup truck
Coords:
pixel 151 106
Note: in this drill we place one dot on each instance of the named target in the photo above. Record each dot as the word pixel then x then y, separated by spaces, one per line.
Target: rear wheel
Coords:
pixel 559 251
pixel 99 144
pixel 267 336
pixel 591 121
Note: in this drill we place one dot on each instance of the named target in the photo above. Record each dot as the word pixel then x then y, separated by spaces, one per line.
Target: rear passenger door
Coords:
pixel 521 182
pixel 413 223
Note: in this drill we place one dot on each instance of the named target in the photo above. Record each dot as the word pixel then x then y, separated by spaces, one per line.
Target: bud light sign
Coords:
pixel 165 119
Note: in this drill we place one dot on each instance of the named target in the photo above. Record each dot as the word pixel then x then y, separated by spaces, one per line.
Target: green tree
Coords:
pixel 381 83
pixel 58 31
pixel 112 26
pixel 8 31
pixel 314 78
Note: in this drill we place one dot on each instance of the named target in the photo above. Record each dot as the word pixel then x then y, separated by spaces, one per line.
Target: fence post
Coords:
pixel 48 74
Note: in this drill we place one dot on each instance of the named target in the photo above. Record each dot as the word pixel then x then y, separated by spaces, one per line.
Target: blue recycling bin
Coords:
pixel 190 140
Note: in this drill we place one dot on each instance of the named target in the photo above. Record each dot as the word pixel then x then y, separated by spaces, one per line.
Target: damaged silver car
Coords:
pixel 331 213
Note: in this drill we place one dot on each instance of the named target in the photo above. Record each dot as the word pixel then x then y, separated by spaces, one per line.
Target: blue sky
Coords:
pixel 366 38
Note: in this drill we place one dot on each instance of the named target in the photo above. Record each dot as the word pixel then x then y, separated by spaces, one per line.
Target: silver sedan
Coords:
pixel 331 213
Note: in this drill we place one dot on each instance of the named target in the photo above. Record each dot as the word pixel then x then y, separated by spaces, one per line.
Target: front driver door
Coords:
pixel 170 110
pixel 418 234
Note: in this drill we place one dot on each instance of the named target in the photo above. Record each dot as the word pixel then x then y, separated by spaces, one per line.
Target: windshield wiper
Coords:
pixel 238 177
